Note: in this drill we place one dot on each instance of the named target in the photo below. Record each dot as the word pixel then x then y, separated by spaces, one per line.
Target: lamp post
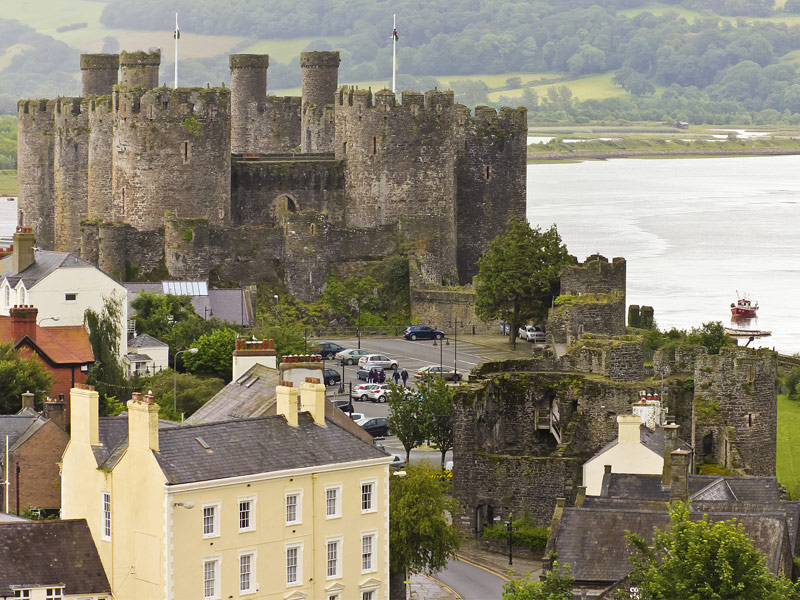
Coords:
pixel 441 345
pixel 456 324
pixel 48 319
pixel 175 377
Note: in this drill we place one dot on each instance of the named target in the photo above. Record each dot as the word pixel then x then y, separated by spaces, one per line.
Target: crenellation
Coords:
pixel 99 74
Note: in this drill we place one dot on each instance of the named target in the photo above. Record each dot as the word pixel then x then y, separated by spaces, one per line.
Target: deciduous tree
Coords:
pixel 557 585
pixel 519 274
pixel 406 418
pixel 436 402
pixel 107 375
pixel 18 375
pixel 214 354
pixel 421 534
pixel 703 560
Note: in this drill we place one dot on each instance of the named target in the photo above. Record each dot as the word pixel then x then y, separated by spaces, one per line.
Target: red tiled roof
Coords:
pixel 62 345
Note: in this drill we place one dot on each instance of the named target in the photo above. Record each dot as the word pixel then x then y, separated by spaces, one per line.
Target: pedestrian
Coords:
pixel 381 376
pixel 404 375
pixel 371 376
pixel 396 377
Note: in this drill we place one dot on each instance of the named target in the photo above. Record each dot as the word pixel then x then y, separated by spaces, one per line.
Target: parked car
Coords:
pixel 351 355
pixel 398 463
pixel 327 350
pixel 363 372
pixel 532 334
pixel 431 371
pixel 505 328
pixel 331 376
pixel 422 332
pixel 376 426
pixel 369 391
pixel 344 405
pixel 377 360
pixel 357 416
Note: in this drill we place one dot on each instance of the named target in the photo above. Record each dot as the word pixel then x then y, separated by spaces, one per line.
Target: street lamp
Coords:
pixel 456 324
pixel 175 377
pixel 48 319
pixel 441 345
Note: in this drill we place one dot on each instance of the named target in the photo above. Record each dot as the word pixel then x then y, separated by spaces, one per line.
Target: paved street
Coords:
pixel 471 582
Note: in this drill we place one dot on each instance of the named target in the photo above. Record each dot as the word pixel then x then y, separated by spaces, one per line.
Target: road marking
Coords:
pixel 488 570
pixel 443 584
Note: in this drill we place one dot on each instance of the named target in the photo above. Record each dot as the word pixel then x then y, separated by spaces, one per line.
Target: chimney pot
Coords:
pixel 607 468
pixel 27 400
pixel 136 396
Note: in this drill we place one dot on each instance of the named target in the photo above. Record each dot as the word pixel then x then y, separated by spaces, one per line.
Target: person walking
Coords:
pixel 371 376
pixel 396 377
pixel 404 375
pixel 381 376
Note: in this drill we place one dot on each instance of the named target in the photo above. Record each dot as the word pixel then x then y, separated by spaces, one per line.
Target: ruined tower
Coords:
pixel 99 74
pixel 172 152
pixel 139 69
pixel 101 121
pixel 320 80
pixel 35 150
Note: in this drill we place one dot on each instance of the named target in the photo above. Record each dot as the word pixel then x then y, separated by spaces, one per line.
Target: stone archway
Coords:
pixel 283 206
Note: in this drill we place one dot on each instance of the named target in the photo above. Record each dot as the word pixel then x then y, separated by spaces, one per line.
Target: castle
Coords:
pixel 235 186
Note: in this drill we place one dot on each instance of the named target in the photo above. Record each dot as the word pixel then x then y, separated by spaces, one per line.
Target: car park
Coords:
pixel 331 376
pixel 327 350
pixel 344 405
pixel 363 372
pixel 376 426
pixel 377 360
pixel 433 371
pixel 532 333
pixel 369 391
pixel 350 356
pixel 422 332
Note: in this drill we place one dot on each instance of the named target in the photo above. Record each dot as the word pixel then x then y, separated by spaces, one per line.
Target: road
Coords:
pixel 471 582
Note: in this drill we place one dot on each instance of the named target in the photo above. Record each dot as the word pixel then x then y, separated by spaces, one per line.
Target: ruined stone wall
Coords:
pixel 568 321
pixel 677 360
pixel 101 122
pixel 595 276
pixel 172 152
pixel 70 171
pixel 35 150
pixel 736 402
pixel 400 162
pixel 490 179
pixel 306 236
pixel 265 190
pixel 442 308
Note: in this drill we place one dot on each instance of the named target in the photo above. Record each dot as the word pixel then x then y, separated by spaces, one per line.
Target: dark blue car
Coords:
pixel 422 332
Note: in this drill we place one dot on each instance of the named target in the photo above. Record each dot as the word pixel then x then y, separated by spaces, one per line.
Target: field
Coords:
pixel 8 183
pixel 788 439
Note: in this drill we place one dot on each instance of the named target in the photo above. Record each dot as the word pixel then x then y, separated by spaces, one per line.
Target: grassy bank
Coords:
pixel 788 457
pixel 8 183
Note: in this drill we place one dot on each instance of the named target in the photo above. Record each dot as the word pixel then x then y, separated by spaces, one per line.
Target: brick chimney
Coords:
pixel 297 367
pixel 23 321
pixel 142 422
pixel 23 256
pixel 629 429
pixel 56 411
pixel 670 444
pixel 249 353
pixel 679 488
pixel 286 402
pixel 312 399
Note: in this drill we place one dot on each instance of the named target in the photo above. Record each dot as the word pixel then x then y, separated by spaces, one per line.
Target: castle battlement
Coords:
pixel 32 107
pixel 71 106
pixel 434 101
pixel 594 276
pixel 249 61
pixel 171 104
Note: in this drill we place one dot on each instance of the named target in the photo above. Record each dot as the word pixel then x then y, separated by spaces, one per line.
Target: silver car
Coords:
pixel 351 355
pixel 377 360
pixel 532 334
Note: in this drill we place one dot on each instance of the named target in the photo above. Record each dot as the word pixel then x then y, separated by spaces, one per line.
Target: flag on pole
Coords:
pixel 394 34
pixel 176 34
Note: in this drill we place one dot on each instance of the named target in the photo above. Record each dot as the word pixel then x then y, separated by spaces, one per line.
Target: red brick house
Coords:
pixel 35 445
pixel 65 351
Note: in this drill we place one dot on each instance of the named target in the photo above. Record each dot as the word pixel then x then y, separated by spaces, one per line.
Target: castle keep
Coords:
pixel 237 186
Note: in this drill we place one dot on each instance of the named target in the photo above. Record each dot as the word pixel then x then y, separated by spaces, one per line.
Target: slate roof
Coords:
pixel 137 358
pixel 41 553
pixel 14 426
pixel 61 345
pixel 249 396
pixel 652 439
pixel 144 340
pixel 701 487
pixel 239 447
pixel 227 304
pixel 45 262
pixel 592 540
pixel 250 446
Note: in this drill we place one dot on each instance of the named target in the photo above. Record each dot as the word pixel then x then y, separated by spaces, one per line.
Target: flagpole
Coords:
pixel 5 506
pixel 394 53
pixel 176 35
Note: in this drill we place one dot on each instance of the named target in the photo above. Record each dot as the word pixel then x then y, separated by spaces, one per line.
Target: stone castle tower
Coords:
pixel 238 186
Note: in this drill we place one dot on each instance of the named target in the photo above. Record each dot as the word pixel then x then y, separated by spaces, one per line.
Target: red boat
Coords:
pixel 744 308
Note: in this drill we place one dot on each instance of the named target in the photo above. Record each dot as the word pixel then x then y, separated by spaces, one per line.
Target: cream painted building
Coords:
pixel 286 507
pixel 637 449
pixel 61 286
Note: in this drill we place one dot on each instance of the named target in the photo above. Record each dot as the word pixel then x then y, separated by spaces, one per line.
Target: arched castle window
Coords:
pixel 282 206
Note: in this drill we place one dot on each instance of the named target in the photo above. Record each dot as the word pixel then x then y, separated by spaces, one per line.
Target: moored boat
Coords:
pixel 744 308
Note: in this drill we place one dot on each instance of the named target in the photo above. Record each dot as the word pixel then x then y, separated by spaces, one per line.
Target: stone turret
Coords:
pixel 248 95
pixel 35 149
pixel 99 74
pixel 320 80
pixel 71 171
pixel 139 69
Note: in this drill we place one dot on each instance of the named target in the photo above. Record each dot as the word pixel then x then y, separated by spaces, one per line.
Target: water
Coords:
pixel 8 217
pixel 693 232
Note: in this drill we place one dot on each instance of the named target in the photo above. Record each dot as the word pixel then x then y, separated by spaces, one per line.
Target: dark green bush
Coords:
pixel 525 534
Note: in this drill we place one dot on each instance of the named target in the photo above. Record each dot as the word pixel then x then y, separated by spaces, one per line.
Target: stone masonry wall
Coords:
pixel 70 171
pixel 490 179
pixel 736 400
pixel 441 308
pixel 594 276
pixel 35 150
pixel 568 321
pixel 101 121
